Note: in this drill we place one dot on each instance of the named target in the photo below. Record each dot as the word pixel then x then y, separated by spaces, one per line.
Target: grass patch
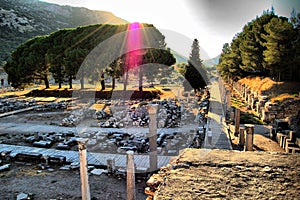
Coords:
pixel 238 103
pixel 284 97
pixel 250 118
pixel 247 116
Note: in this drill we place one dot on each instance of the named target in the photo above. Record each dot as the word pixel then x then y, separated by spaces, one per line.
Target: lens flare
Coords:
pixel 134 45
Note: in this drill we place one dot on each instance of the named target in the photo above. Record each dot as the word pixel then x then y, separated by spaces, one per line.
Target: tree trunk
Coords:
pixel 113 82
pixel 140 79
pixel 59 85
pixel 102 82
pixel 70 82
pixel 125 81
pixel 82 82
pixel 46 81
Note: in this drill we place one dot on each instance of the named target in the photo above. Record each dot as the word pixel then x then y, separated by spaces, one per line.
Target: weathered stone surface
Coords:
pixel 97 172
pixel 222 174
pixel 7 104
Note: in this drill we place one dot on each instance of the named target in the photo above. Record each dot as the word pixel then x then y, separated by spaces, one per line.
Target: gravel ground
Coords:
pixel 61 184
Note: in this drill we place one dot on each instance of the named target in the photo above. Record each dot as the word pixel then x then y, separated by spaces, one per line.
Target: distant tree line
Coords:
pixel 62 53
pixel 267 46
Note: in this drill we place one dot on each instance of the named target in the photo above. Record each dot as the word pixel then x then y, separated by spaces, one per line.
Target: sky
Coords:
pixel 212 22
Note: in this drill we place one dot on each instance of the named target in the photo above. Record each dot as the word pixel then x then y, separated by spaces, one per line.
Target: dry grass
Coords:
pixel 17 93
pixel 30 172
pixel 266 86
pixel 257 84
pixel 97 106
pixel 284 97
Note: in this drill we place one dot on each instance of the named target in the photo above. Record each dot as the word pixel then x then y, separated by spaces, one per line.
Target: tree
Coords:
pixel 230 60
pixel 114 70
pixel 295 20
pixel 252 44
pixel 72 64
pixel 28 63
pixel 279 47
pixel 195 73
pixel 222 67
pixel 267 46
pixel 55 59
pixel 62 53
pixel 155 63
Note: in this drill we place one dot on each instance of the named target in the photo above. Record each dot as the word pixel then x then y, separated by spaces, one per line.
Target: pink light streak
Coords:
pixel 134 45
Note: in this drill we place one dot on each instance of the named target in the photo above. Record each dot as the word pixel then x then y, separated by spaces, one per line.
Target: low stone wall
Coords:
pixel 267 110
pixel 223 174
pixel 108 94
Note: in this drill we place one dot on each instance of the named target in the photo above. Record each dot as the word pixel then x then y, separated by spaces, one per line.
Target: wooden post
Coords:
pixel 85 189
pixel 249 137
pixel 237 121
pixel 152 109
pixel 130 176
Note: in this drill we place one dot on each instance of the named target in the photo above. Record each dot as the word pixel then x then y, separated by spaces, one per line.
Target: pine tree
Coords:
pixel 295 20
pixel 195 73
pixel 279 46
pixel 252 44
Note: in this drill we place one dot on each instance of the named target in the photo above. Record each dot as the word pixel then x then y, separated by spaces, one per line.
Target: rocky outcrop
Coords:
pixel 222 174
pixel 21 20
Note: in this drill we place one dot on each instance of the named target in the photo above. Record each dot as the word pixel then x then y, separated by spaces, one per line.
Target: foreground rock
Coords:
pixel 221 174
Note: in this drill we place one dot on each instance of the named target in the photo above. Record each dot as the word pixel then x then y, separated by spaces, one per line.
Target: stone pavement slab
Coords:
pixel 216 121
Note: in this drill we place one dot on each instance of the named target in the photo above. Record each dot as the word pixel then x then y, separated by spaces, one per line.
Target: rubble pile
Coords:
pixel 101 114
pixel 62 140
pixel 168 142
pixel 169 114
pixel 139 116
pixel 77 116
pixel 199 137
pixel 7 105
pixel 62 105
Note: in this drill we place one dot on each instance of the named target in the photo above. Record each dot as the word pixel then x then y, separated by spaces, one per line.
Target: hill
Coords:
pixel 23 19
pixel 211 62
pixel 179 58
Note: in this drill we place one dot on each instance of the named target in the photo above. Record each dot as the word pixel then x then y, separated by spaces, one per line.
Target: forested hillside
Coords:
pixel 267 46
pixel 23 19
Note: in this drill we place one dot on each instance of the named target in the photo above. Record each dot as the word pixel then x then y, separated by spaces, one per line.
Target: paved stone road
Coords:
pixel 216 121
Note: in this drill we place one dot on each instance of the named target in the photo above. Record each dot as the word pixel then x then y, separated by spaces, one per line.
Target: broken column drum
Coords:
pixel 249 137
pixel 152 109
